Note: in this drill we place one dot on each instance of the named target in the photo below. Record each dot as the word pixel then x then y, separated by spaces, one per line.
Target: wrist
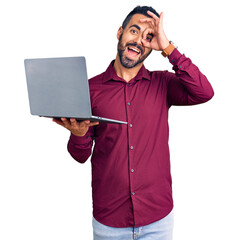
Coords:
pixel 165 45
pixel 169 49
pixel 80 140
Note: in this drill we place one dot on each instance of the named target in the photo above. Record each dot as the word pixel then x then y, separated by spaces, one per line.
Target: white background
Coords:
pixel 44 193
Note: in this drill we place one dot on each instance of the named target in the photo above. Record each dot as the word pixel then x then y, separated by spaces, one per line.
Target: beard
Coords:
pixel 127 62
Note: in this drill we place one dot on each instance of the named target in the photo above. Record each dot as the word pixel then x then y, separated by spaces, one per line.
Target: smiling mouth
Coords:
pixel 133 52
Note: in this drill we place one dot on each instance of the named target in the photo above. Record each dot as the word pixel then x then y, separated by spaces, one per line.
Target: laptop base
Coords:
pixel 92 119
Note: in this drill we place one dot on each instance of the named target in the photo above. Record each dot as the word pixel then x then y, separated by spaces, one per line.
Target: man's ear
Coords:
pixel 119 32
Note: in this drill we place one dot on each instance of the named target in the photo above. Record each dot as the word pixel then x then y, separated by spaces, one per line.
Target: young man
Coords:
pixel 131 180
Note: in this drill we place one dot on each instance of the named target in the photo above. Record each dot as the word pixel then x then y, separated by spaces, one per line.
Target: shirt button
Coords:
pixel 133 193
pixel 131 125
pixel 129 103
pixel 132 170
pixel 180 66
pixel 132 147
pixel 127 84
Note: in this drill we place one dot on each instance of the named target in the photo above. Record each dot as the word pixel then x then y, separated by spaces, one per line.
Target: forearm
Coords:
pixel 194 85
pixel 81 139
pixel 80 147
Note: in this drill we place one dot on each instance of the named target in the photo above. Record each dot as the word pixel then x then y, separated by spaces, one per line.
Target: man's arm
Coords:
pixel 80 147
pixel 188 86
pixel 81 139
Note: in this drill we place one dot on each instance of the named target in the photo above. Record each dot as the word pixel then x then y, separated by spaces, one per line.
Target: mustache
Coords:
pixel 137 46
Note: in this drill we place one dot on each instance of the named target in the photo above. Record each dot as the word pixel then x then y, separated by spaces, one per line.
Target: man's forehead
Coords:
pixel 135 20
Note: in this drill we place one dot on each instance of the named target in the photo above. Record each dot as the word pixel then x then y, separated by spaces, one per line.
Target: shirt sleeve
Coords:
pixel 188 86
pixel 80 147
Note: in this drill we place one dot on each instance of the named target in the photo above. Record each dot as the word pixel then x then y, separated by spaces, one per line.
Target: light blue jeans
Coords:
pixel 160 230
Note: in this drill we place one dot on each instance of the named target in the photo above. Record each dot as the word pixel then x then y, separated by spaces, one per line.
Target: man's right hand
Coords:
pixel 76 128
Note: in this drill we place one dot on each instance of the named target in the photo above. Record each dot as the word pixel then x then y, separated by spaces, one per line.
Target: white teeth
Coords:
pixel 133 49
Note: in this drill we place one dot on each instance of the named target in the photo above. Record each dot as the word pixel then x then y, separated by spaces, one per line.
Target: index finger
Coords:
pixel 154 16
pixel 148 20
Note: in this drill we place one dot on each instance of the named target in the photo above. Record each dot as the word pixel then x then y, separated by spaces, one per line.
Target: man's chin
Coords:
pixel 129 63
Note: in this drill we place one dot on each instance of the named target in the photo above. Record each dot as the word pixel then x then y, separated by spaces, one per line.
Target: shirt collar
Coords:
pixel 110 74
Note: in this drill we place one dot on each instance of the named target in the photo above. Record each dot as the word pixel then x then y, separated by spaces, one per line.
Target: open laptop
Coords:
pixel 58 87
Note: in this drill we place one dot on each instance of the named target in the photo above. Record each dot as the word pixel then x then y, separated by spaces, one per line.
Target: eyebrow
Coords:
pixel 136 26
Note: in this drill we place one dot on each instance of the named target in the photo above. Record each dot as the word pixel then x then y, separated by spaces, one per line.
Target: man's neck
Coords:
pixel 125 73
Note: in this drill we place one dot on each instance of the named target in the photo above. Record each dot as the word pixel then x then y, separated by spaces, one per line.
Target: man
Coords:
pixel 131 180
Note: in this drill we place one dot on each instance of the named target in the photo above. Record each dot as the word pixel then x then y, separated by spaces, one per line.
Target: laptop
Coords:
pixel 58 87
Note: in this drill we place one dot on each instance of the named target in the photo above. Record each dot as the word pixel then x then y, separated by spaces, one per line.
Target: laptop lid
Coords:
pixel 58 87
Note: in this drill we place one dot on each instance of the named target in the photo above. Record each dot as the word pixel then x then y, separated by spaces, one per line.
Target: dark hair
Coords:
pixel 140 10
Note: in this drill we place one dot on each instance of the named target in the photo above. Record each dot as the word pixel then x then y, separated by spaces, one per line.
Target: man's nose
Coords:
pixel 139 40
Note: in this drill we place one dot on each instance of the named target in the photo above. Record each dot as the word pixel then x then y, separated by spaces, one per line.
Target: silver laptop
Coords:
pixel 58 87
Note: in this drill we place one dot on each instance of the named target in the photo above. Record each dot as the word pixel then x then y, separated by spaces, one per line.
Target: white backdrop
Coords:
pixel 44 193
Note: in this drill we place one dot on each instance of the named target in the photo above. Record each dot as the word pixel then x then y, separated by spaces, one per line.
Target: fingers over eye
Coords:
pixel 148 20
pixel 154 16
pixel 148 35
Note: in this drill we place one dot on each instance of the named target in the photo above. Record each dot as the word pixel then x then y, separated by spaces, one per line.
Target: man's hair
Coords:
pixel 140 10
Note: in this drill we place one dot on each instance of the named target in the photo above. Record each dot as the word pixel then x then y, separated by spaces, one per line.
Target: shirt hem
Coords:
pixel 136 225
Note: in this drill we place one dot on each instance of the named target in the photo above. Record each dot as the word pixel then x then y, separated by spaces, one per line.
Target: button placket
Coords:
pixel 129 109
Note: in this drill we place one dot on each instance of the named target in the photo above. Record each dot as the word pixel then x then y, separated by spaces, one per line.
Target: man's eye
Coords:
pixel 133 31
pixel 149 38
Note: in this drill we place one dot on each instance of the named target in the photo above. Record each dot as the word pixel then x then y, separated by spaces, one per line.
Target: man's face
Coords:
pixel 130 47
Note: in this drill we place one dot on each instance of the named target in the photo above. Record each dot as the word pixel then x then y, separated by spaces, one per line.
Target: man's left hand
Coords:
pixel 159 41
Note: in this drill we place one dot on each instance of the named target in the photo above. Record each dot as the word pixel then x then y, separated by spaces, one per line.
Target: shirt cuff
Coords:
pixel 80 140
pixel 174 56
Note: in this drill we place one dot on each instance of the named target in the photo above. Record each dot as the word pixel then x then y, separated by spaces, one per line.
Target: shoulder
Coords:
pixel 96 79
pixel 161 79
pixel 100 78
pixel 160 75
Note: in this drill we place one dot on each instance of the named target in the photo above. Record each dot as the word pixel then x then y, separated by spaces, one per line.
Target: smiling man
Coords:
pixel 131 179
